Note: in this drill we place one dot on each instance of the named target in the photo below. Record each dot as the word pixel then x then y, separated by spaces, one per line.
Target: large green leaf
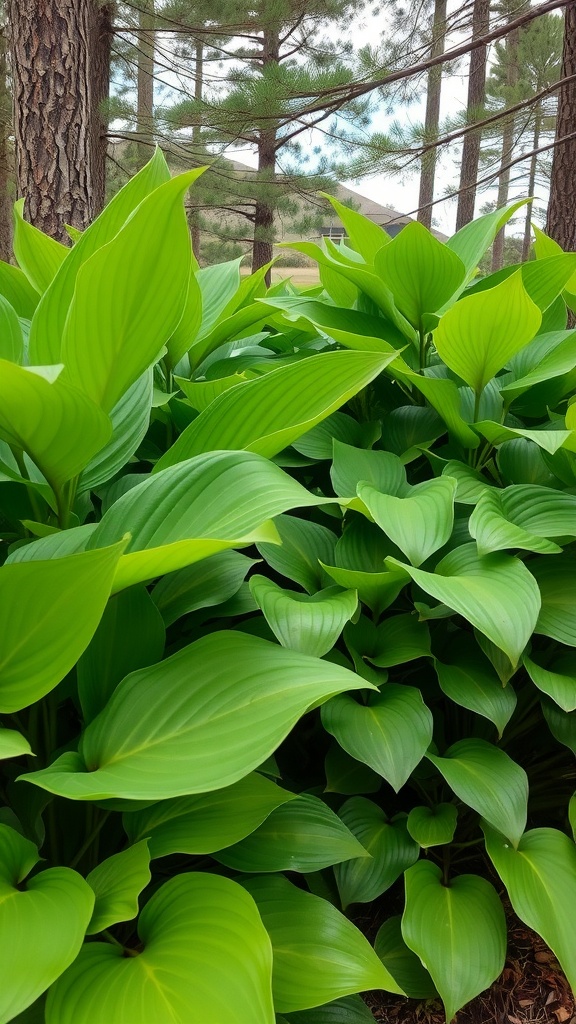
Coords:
pixel 419 523
pixel 497 594
pixel 472 241
pixel 382 470
pixel 376 589
pixel 478 335
pixel 301 835
pixel 420 271
pixel 489 781
pixel 129 297
pixel 390 847
pixel 304 546
pixel 59 427
pixel 318 954
pixel 398 639
pixel 557 354
pixel 557 681
pixel 540 877
pixel 348 1010
pixel 349 327
pixel 48 322
pixel 471 683
pixel 180 727
pixel 130 418
pixel 11 341
pixel 458 931
pixel 13 744
pixel 17 290
pixel 44 918
pixel 523 516
pixel 202 585
pixel 549 440
pixel 117 883
pixel 432 826
pixel 402 963
pixel 205 957
pixel 267 414
pixel 390 733
pixel 50 611
pixel 38 255
pixel 366 236
pixel 555 578
pixel 208 822
pixel 307 623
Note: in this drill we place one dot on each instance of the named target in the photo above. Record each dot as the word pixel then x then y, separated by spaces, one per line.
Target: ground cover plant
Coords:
pixel 288 621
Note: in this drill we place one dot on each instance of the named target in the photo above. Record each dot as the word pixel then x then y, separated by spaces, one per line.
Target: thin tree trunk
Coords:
pixel 432 119
pixel 145 97
pixel 6 172
pixel 194 216
pixel 527 241
pixel 561 219
pixel 512 74
pixel 474 107
pixel 101 51
pixel 49 44
pixel 262 251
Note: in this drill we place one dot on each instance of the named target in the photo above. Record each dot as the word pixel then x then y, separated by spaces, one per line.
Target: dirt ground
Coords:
pixel 302 277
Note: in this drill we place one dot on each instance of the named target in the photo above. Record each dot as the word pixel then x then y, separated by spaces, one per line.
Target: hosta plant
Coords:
pixel 288 621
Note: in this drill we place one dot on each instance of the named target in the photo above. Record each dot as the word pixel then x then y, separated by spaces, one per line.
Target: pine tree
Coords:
pixel 474 111
pixel 561 217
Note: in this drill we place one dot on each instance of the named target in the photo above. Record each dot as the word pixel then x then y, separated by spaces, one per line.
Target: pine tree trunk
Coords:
pixel 432 120
pixel 102 33
pixel 6 171
pixel 194 216
pixel 561 219
pixel 49 43
pixel 474 106
pixel 512 73
pixel 145 97
pixel 527 241
pixel 262 251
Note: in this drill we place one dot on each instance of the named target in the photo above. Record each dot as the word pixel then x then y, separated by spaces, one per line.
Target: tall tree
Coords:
pixel 509 87
pixel 432 118
pixel 6 160
pixel 145 85
pixel 561 217
pixel 474 110
pixel 102 33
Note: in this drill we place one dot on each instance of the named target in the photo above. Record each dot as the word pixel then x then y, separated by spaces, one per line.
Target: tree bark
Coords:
pixel 6 168
pixel 432 119
pixel 262 251
pixel 561 219
pixel 102 33
pixel 194 215
pixel 512 75
pixel 474 107
pixel 145 97
pixel 49 44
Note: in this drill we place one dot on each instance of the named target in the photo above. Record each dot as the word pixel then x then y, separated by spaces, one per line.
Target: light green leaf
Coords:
pixel 13 744
pixel 304 545
pixel 376 589
pixel 54 545
pixel 540 877
pixel 420 271
pixel 349 1010
pixel 318 443
pixel 457 930
pixel 219 286
pixel 117 883
pixel 400 638
pixel 562 724
pixel 389 845
pixel 206 957
pixel 208 822
pixel 130 420
pixel 497 434
pixel 202 585
pixel 46 914
pixel 383 470
pixel 418 524
pixel 489 781
pixel 309 624
pixel 17 290
pixel 50 611
pixel 497 594
pixel 555 579
pixel 572 815
pixel 228 328
pixel 202 393
pixel 11 340
pixel 318 954
pixel 365 236
pixel 472 684
pixel 523 516
pixel 183 337
pixel 129 297
pixel 432 826
pixel 267 414
pixel 38 255
pixel 478 335
pixel 470 485
pixel 445 398
pixel 402 963
pixel 390 733
pixel 301 835
pixel 558 359
pixel 166 728
pixel 59 427
pixel 472 241
pixel 557 682
pixel 349 327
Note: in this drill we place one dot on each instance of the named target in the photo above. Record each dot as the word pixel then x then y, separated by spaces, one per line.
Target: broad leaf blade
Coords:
pixel 117 883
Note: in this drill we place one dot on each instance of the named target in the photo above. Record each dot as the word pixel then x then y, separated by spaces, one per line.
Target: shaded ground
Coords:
pixel 303 277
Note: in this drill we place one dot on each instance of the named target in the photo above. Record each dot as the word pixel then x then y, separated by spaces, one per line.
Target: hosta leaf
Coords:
pixel 129 297
pixel 54 545
pixel 558 682
pixel 38 255
pixel 318 954
pixel 349 327
pixel 390 847
pixel 497 594
pixel 489 781
pixel 523 516
pixel 457 930
pixel 11 340
pixel 318 443
pixel 180 727
pixel 307 623
pixel 208 822
pixel 418 524
pixel 390 733
pixel 47 914
pixel 382 470
pixel 183 337
pixel 558 361
pixel 348 1010
pixel 420 271
pixel 202 393
pixel 402 963
pixel 50 610
pixel 562 724
pixel 228 329
pixel 346 775
pixel 365 236
pixel 117 883
pixel 13 744
pixel 540 877
pixel 572 815
pixel 497 434
pixel 301 835
pixel 398 639
pixel 205 957
pixel 267 414
pixel 130 418
pixel 472 684
pixel 555 578
pixel 445 397
pixel 432 826
pixel 202 585
pixel 60 428
pixel 17 290
pixel 304 546
pixel 376 589
pixel 470 485
pixel 472 241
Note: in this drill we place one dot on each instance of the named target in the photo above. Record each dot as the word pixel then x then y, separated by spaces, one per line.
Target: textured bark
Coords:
pixel 561 219
pixel 49 43
pixel 432 119
pixel 194 215
pixel 145 98
pixel 6 163
pixel 474 108
pixel 527 241
pixel 262 251
pixel 512 75
pixel 102 30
